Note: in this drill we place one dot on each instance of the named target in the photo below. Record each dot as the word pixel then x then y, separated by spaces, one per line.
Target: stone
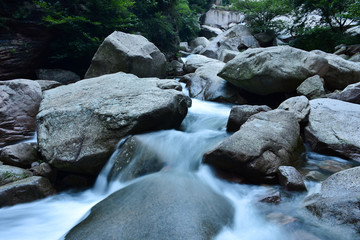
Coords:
pixel 129 53
pixel 338 199
pixel 57 75
pixel 47 84
pixel 204 84
pixel 271 197
pixel 184 46
pixel 350 94
pixel 255 152
pixel 9 174
pixel 195 61
pixel 239 114
pixel 332 166
pixel 266 39
pixel 79 125
pixel 297 105
pixel 315 176
pixel 19 104
pixel 355 58
pixel 291 179
pixel 333 128
pixel 25 190
pixel 165 205
pixel 175 68
pixel 273 70
pixel 199 41
pixel 19 155
pixel 44 170
pixel 227 55
pixel 341 72
pixel 222 18
pixel 312 87
pixel 230 40
pixel 209 32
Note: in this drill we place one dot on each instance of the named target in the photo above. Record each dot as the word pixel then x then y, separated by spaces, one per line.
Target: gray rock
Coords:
pixel 333 128
pixel 195 61
pixel 271 197
pixel 273 70
pixel 239 114
pixel 312 87
pixel 204 84
pixel 297 105
pixel 184 46
pixel 227 55
pixel 44 170
pixel 20 155
pixel 222 18
pixel 255 152
pixel 9 174
pixel 355 58
pixel 79 125
pixel 338 199
pixel 266 39
pixel 175 68
pixel 58 75
pixel 209 32
pixel 350 94
pixel 47 84
pixel 341 72
pixel 197 50
pixel 231 40
pixel 199 41
pixel 129 53
pixel 165 205
pixel 25 190
pixel 19 104
pixel 291 179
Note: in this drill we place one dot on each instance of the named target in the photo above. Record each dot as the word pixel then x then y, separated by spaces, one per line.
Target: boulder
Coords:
pixel 9 174
pixel 312 87
pixel 19 104
pixel 175 68
pixel 44 170
pixel 333 128
pixel 184 46
pixel 165 205
pixel 80 124
pixel 129 53
pixel 297 105
pixel 239 114
pixel 221 17
pixel 231 39
pixel 266 39
pixel 350 94
pixel 25 190
pixel 355 58
pixel 47 84
pixel 255 152
pixel 209 32
pixel 338 199
pixel 273 70
pixel 199 41
pixel 227 55
pixel 20 155
pixel 195 61
pixel 204 84
pixel 341 72
pixel 58 75
pixel 291 179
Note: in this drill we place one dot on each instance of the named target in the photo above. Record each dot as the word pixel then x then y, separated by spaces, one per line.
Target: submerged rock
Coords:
pixel 165 205
pixel 255 152
pixel 333 128
pixel 129 53
pixel 19 104
pixel 80 124
pixel 273 70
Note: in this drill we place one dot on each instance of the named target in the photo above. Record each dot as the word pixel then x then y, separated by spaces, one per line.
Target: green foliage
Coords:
pixel 261 15
pixel 186 21
pixel 200 6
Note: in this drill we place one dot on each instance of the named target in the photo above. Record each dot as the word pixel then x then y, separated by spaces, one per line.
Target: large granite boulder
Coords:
pixel 25 190
pixel 312 87
pixel 341 72
pixel 129 53
pixel 333 128
pixel 239 35
pixel 255 152
pixel 204 84
pixel 9 174
pixel 20 155
pixel 297 105
pixel 209 32
pixel 19 104
pixel 195 61
pixel 350 94
pixel 80 124
pixel 273 70
pixel 165 205
pixel 339 198
pixel 199 41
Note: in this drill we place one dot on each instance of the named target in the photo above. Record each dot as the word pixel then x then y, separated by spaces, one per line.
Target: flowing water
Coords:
pixel 202 129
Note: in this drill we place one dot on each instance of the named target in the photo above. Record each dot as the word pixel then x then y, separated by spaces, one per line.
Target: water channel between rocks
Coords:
pixel 202 129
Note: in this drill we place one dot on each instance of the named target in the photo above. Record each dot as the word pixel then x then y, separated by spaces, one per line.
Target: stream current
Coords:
pixel 203 128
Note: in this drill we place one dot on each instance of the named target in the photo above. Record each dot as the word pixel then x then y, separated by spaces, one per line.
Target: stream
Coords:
pixel 202 129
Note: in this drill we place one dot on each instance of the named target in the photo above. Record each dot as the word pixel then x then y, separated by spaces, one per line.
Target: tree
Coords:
pixel 261 15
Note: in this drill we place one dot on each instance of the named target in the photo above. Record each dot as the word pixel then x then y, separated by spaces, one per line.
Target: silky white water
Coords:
pixel 202 129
